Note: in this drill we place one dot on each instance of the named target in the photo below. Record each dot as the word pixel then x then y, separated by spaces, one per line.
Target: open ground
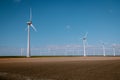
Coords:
pixel 60 68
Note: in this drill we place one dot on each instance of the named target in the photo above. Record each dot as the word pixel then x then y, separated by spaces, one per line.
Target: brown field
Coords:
pixel 60 68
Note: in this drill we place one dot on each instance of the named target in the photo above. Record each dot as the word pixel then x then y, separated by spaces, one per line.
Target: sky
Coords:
pixel 59 22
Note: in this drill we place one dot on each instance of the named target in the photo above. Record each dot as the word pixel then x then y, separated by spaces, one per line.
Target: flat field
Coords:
pixel 60 68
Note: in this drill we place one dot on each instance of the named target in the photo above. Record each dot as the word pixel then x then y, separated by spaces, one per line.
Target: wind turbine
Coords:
pixel 103 47
pixel 84 38
pixel 113 46
pixel 29 23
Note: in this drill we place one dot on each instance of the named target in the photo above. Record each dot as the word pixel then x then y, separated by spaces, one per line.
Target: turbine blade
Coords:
pixel 81 38
pixel 30 14
pixel 33 27
pixel 86 35
pixel 102 42
pixel 26 28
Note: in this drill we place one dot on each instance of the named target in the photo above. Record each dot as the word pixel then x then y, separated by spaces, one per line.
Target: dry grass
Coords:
pixel 60 68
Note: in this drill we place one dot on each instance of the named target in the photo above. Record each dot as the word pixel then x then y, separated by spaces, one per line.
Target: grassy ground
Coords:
pixel 60 68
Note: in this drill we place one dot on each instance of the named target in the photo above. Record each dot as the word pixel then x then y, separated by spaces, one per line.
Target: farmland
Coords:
pixel 60 68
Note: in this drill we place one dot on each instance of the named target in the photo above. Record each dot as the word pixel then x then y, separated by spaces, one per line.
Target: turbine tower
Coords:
pixel 84 38
pixel 29 23
pixel 103 47
pixel 113 46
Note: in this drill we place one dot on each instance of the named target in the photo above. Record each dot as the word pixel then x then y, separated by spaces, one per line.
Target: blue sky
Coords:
pixel 59 22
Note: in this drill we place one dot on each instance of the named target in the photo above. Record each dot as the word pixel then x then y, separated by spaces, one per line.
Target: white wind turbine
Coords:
pixel 103 47
pixel 113 46
pixel 84 38
pixel 29 23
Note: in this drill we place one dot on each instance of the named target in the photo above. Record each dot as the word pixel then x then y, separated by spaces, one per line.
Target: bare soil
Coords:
pixel 60 68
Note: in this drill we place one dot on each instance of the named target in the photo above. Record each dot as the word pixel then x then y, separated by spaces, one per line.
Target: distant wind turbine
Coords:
pixel 29 23
pixel 113 46
pixel 103 47
pixel 84 38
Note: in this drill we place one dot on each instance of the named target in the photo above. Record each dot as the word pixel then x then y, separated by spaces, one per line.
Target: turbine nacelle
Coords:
pixel 29 23
pixel 84 38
